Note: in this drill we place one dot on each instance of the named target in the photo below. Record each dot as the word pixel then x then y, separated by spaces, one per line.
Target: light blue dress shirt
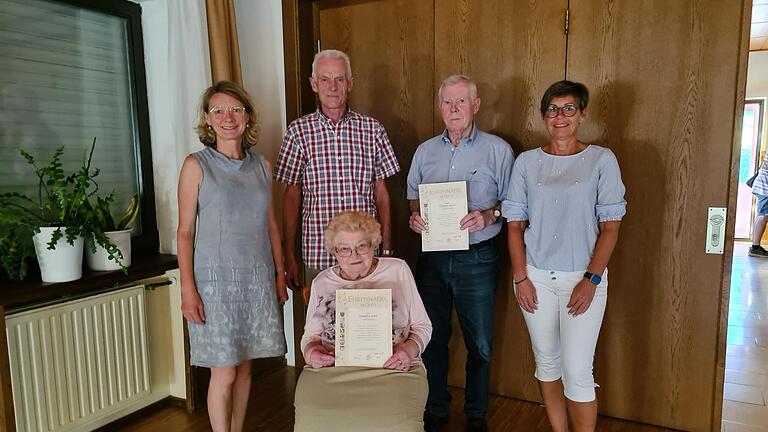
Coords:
pixel 564 198
pixel 483 160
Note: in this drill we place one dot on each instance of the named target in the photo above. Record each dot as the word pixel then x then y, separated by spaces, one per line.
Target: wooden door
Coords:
pixel 513 50
pixel 392 65
pixel 664 77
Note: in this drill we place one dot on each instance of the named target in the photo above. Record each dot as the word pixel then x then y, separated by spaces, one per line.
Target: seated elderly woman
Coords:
pixel 345 398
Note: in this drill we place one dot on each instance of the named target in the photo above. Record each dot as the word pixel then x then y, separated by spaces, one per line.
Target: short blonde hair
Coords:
pixel 206 134
pixel 352 221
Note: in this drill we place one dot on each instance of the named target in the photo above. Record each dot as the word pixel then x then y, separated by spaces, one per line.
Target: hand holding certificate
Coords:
pixel 443 205
pixel 363 327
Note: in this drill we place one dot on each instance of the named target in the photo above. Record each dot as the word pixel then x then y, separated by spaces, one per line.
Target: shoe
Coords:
pixel 758 251
pixel 477 424
pixel 433 423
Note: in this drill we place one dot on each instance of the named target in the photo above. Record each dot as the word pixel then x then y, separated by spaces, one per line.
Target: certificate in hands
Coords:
pixel 443 205
pixel 363 327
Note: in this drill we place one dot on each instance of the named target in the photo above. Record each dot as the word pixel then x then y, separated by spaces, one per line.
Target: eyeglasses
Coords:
pixel 360 249
pixel 219 111
pixel 568 110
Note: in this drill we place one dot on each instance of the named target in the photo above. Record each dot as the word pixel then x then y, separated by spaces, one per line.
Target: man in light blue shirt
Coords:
pixel 466 279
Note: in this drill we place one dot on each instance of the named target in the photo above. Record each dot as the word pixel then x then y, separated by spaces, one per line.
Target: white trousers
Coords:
pixel 564 345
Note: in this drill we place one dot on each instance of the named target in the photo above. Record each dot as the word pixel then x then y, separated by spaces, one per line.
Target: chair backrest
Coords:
pixel 305 293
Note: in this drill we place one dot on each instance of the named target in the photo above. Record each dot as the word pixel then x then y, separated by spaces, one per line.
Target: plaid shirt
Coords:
pixel 336 166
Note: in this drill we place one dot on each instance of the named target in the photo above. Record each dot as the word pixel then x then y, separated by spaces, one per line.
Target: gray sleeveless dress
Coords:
pixel 234 270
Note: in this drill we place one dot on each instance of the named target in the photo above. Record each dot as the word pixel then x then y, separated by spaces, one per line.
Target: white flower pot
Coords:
pixel 100 261
pixel 62 264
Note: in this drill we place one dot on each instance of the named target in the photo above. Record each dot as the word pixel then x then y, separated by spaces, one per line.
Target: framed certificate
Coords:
pixel 363 327
pixel 443 205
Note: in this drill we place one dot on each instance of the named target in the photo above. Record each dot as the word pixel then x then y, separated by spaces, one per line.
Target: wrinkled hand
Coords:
pixel 401 360
pixel 320 357
pixel 581 297
pixel 282 291
pixel 416 223
pixel 192 305
pixel 473 221
pixel 292 274
pixel 525 293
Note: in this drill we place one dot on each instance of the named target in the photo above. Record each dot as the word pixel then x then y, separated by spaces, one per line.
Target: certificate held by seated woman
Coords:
pixel 363 327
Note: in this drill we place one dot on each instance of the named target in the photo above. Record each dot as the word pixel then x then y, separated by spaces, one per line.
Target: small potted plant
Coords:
pixel 57 219
pixel 115 232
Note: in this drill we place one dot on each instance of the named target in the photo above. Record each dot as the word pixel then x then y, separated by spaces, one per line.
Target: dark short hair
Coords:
pixel 566 88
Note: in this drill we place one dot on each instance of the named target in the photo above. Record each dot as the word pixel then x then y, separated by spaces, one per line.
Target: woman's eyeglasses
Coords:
pixel 219 111
pixel 568 110
pixel 346 251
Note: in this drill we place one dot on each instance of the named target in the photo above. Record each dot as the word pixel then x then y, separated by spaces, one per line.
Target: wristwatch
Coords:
pixel 595 279
pixel 496 215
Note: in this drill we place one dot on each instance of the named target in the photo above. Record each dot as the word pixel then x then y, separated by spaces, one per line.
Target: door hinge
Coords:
pixel 567 21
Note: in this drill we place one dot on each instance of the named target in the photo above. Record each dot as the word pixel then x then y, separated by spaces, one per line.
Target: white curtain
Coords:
pixel 178 70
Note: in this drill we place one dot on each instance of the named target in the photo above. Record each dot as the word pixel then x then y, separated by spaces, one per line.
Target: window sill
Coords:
pixel 31 291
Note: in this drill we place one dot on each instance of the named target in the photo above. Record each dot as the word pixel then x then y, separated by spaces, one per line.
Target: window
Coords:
pixel 74 70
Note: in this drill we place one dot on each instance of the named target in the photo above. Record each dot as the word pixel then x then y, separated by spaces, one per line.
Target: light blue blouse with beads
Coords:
pixel 564 198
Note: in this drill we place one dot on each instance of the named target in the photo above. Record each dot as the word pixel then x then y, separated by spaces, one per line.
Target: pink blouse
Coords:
pixel 409 318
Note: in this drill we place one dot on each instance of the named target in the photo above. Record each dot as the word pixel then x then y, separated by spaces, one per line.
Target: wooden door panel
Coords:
pixel 514 50
pixel 392 64
pixel 663 77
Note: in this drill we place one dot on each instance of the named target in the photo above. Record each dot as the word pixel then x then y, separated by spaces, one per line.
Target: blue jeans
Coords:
pixel 468 280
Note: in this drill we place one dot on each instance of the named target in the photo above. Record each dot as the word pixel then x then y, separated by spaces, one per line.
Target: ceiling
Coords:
pixel 759 35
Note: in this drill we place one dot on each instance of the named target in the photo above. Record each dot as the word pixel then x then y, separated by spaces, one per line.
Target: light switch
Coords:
pixel 715 230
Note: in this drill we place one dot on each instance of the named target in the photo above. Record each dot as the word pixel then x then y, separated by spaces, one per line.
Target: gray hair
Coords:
pixel 456 79
pixel 333 54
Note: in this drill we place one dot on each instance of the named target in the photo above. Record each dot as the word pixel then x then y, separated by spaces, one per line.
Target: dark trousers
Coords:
pixel 468 280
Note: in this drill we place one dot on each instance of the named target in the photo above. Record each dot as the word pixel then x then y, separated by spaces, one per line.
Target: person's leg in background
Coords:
pixel 758 228
pixel 431 274
pixel 475 278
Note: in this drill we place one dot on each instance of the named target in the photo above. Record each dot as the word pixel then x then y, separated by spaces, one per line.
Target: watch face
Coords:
pixel 496 213
pixel 595 279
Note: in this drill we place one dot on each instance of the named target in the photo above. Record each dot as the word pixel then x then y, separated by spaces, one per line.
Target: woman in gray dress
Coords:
pixel 564 207
pixel 231 285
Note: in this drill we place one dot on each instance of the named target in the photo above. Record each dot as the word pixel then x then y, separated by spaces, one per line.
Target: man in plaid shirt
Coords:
pixel 337 160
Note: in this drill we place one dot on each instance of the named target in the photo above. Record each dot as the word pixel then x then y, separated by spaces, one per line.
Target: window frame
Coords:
pixel 149 240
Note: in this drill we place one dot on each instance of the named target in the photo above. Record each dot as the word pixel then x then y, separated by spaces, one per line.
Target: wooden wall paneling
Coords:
pixel 392 65
pixel 663 77
pixel 514 50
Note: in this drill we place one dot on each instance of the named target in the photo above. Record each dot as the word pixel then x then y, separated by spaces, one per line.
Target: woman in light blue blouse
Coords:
pixel 564 207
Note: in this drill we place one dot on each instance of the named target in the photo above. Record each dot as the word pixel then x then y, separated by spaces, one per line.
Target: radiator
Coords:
pixel 77 362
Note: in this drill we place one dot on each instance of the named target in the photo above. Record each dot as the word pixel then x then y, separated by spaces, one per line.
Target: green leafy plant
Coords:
pixel 101 221
pixel 100 213
pixel 61 202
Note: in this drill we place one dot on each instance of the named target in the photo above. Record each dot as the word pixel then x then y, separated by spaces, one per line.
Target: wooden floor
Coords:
pixel 271 409
pixel 746 364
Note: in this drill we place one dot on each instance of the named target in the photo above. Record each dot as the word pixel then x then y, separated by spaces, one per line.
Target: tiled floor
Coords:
pixel 746 367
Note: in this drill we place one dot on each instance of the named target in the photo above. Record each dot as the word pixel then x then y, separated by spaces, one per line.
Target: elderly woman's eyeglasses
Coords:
pixel 568 110
pixel 360 249
pixel 218 111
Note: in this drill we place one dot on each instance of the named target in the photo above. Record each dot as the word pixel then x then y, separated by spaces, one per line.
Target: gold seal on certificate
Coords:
pixel 443 205
pixel 363 327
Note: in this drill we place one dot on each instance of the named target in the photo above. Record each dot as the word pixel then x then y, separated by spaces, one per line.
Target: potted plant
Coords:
pixel 115 231
pixel 16 248
pixel 57 219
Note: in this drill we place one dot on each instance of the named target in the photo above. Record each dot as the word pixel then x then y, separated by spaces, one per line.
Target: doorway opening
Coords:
pixel 745 393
